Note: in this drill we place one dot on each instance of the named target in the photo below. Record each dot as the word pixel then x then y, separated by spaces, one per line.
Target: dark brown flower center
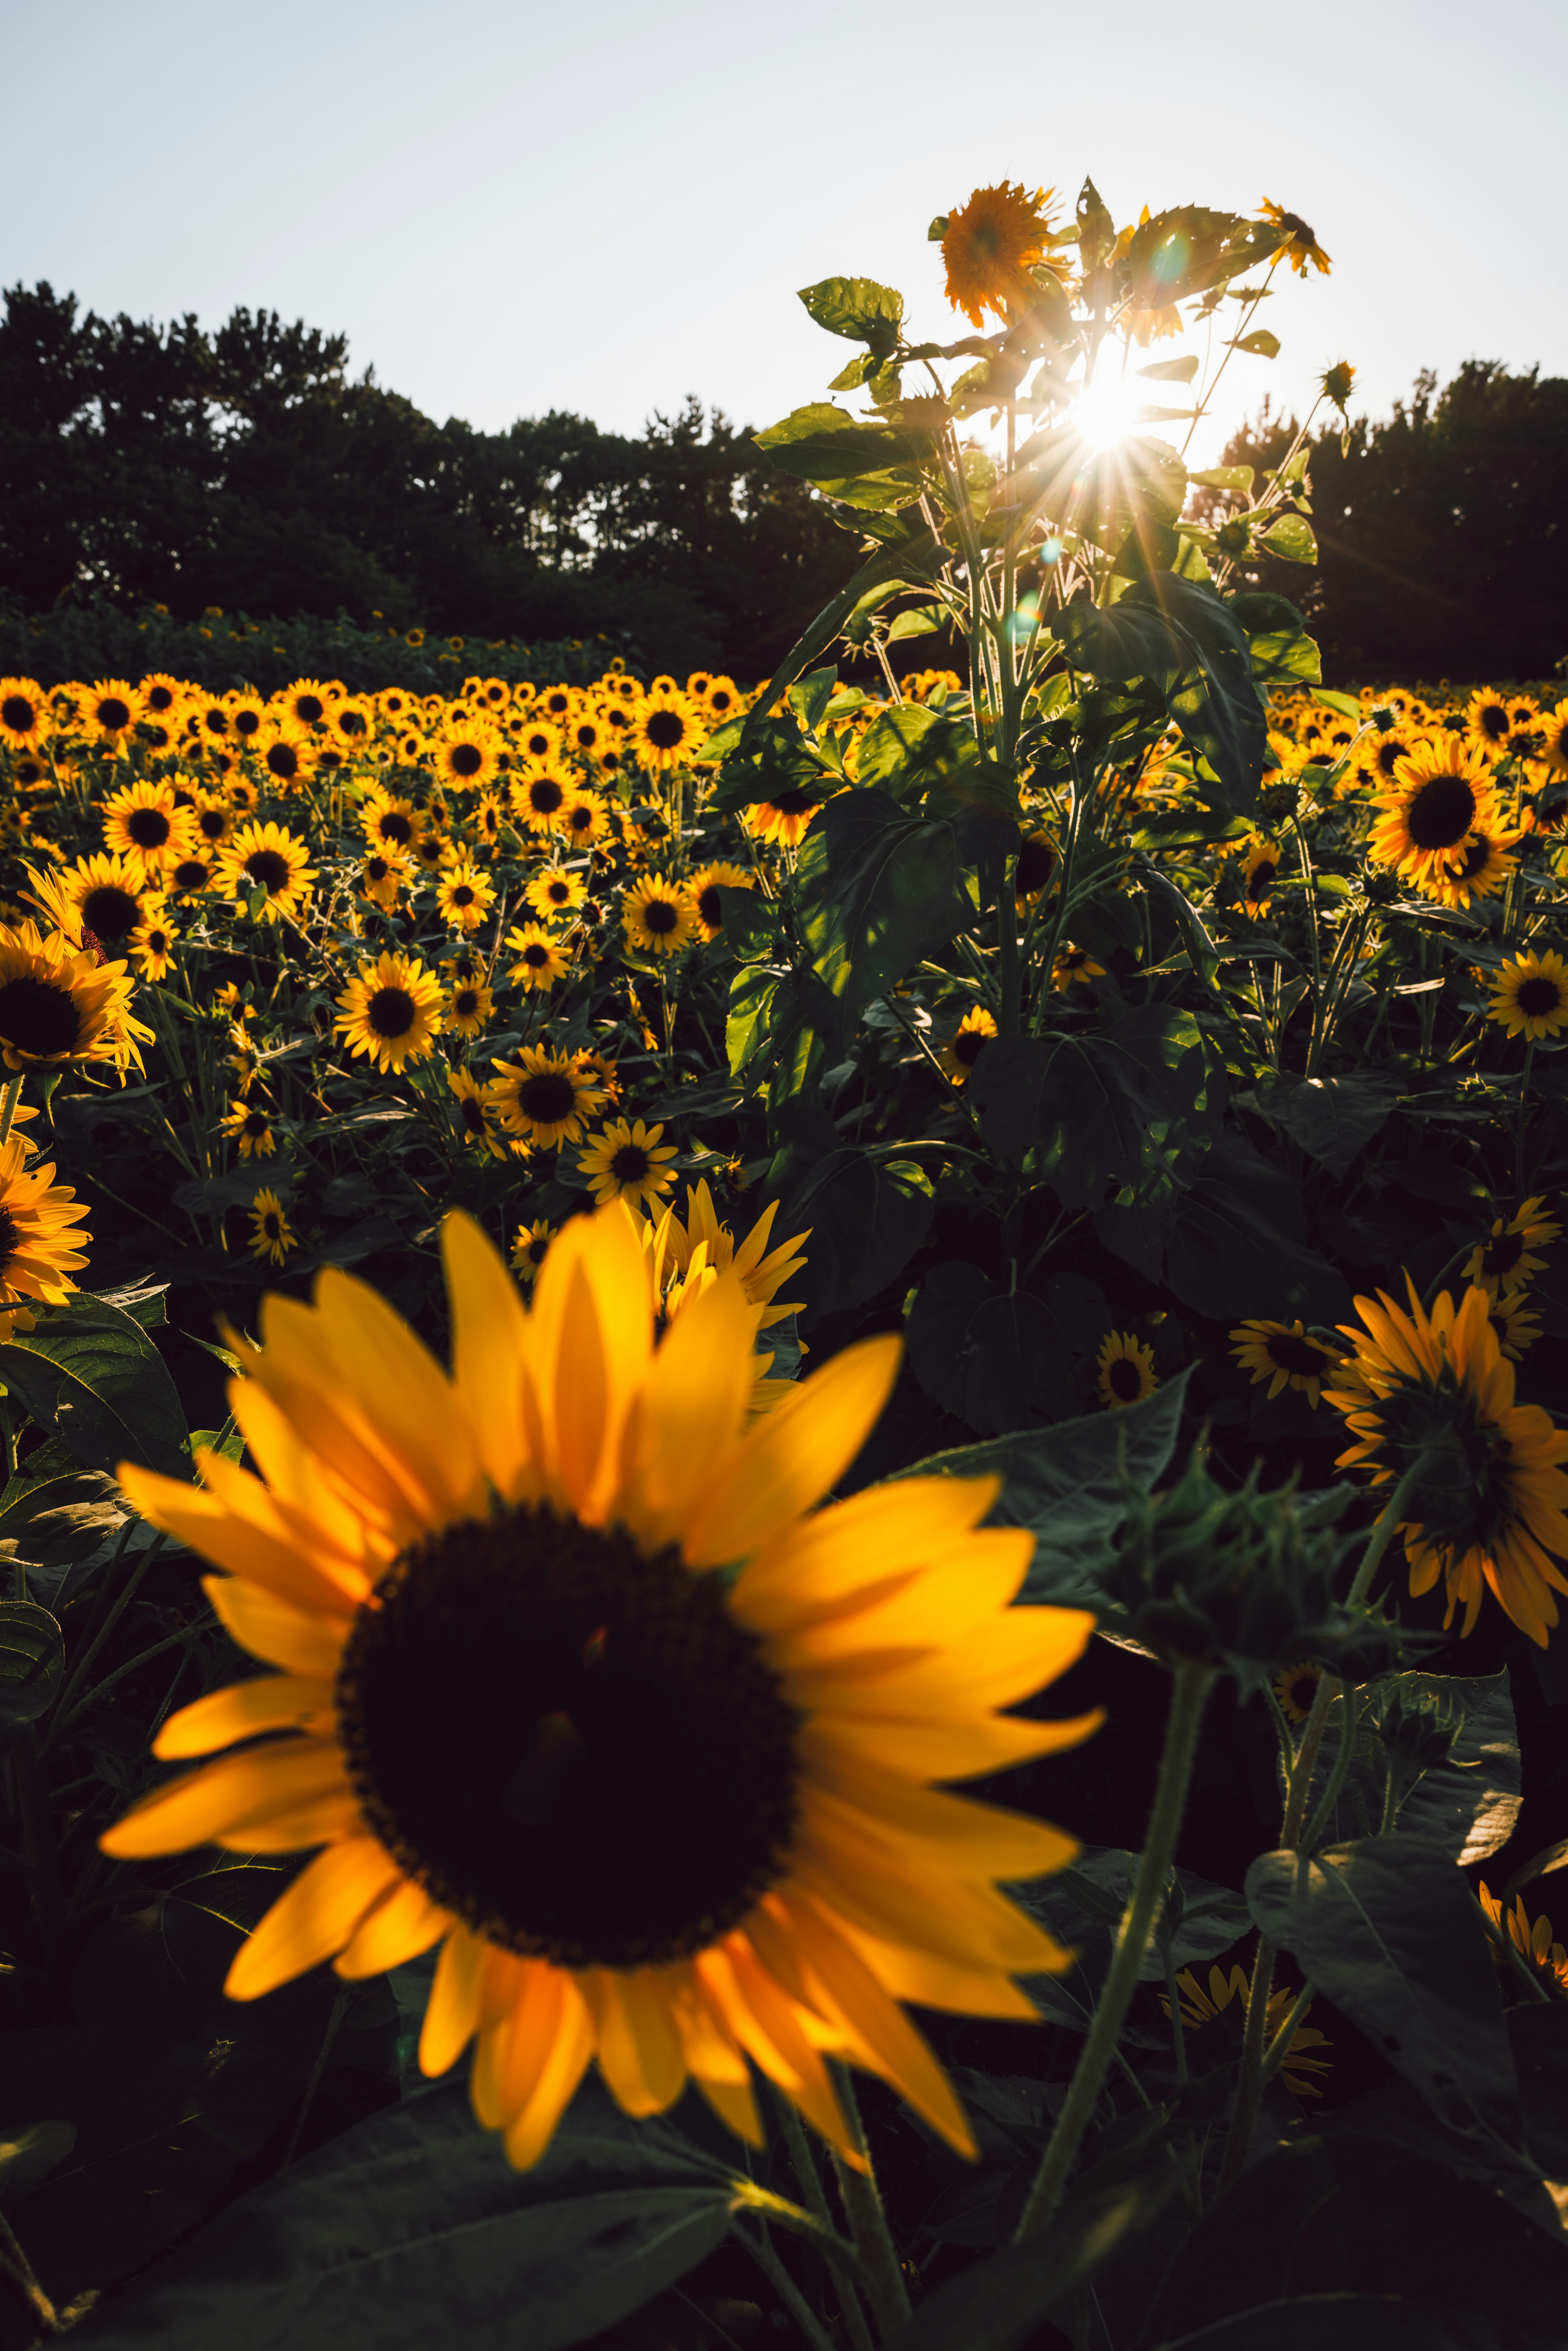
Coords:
pixel 309 708
pixel 17 714
pixel 630 1164
pixel 1440 813
pixel 1298 1356
pixel 38 1019
pixel 465 758
pixel 667 730
pixel 1124 1379
pixel 281 759
pixel 1260 881
pixel 1538 997
pixel 148 827
pixel 212 824
pixel 109 911
pixel 113 715
pixel 1036 860
pixel 547 1096
pixel 661 916
pixel 269 869
pixel 392 1012
pixel 573 1746
pixel 394 826
pixel 967 1046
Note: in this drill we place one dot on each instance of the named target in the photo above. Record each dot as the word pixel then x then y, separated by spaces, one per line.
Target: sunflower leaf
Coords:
pixel 89 1372
pixel 32 1660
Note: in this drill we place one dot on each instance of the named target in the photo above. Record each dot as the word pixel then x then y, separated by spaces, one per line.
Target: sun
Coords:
pixel 1105 411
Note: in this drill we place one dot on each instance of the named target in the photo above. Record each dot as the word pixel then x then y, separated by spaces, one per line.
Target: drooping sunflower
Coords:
pixel 1260 873
pixel 468 1005
pixel 1442 792
pixel 1483 867
pixel 25 717
pixel 1506 1261
pixel 962 1050
pixel 60 1004
pixel 680 1822
pixel 272 1237
pixel 154 941
pixel 1074 967
pixel 1531 997
pixel 553 891
pixel 465 896
pixel 391 1011
pixel 1281 1354
pixel 1298 243
pixel 475 1112
pixel 251 1127
pixel 530 1247
pixel 383 878
pixel 540 961
pixel 668 729
pixel 990 244
pixel 111 710
pixel 1296 1687
pixel 539 795
pixel 705 887
pixel 657 915
pixel 1037 861
pixel 99 894
pixel 785 818
pixel 267 857
pixel 1199 2008
pixel 1124 1371
pixel 39 1250
pixel 548 1098
pixel 625 1161
pixel 1489 1509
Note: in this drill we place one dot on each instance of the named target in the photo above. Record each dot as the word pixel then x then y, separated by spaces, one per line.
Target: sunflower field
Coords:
pixel 785 1504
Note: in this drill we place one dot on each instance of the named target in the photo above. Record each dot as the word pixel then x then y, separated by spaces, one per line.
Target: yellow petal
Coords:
pixel 690 1411
pixel 315 1918
pixel 489 1343
pixel 939 1749
pixel 735 2105
pixel 270 1702
pixel 321 1820
pixel 767 2025
pixel 270 1629
pixel 791 1459
pixel 221 1797
pixel 934 1983
pixel 637 2043
pixel 855 1546
pixel 537 2006
pixel 981 1840
pixel 403 1925
pixel 251 1545
pixel 857 1876
pixel 452 2011
pixel 530 2133
pixel 938 1606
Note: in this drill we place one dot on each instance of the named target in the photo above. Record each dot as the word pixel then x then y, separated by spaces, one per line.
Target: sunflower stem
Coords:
pixel 1279 2049
pixel 1336 1779
pixel 789 2293
pixel 1249 2084
pixel 1190 1686
pixel 885 2288
pixel 811 2180
pixel 10 1097
pixel 1518 1124
pixel 14 2264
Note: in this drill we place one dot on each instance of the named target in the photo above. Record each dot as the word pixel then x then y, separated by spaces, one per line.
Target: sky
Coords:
pixel 510 208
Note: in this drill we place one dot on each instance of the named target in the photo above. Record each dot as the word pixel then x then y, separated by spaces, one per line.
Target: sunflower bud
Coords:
pixel 1418 1729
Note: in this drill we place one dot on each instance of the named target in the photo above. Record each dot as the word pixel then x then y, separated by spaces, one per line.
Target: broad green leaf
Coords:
pixel 1259 345
pixel 1179 251
pixel 1173 371
pixel 751 996
pixel 823 443
pixel 1225 477
pixel 1333 1118
pixel 1094 1112
pixel 1468 1806
pixel 1386 1927
pixel 876 889
pixel 1291 538
pixel 1346 705
pixel 858 307
pixel 919 620
pixel 1286 657
pixel 1236 1244
pixel 88 1372
pixel 867 1218
pixel 1189 645
pixel 32 1661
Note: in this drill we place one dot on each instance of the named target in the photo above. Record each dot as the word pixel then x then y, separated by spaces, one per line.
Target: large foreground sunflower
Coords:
pixel 61 1004
pixel 40 1250
pixel 1490 1507
pixel 989 245
pixel 577 1686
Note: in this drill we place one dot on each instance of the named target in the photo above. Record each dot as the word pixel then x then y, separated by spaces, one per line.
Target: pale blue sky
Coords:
pixel 509 207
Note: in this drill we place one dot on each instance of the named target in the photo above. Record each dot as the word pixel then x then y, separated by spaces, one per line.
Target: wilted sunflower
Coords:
pixel 1442 792
pixel 1074 967
pixel 153 942
pixel 962 1050
pixel 1531 997
pixel 382 879
pixel 1490 1508
pixel 624 1161
pixel 990 244
pixel 1484 865
pixel 677 1822
pixel 657 915
pixel 252 1128
pixel 465 897
pixel 468 1005
pixel 539 796
pixel 1199 2008
pixel 100 895
pixel 1281 1354
pixel 1299 243
pixel 40 1250
pixel 267 857
pixel 391 1011
pixel 271 1236
pixel 555 891
pixel 540 962
pixel 1260 873
pixel 531 1246
pixel 705 887
pixel 545 1097
pixel 25 714
pixel 60 1004
pixel 475 1113
pixel 1506 1261
pixel 1126 1371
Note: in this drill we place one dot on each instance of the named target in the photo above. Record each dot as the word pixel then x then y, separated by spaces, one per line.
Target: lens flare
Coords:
pixel 1106 411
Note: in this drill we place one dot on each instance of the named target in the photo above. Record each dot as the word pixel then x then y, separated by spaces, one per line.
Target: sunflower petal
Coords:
pixel 530 2133
pixel 791 1459
pixel 221 1797
pixel 316 1917
pixel 452 2011
pixel 398 1929
pixel 270 1702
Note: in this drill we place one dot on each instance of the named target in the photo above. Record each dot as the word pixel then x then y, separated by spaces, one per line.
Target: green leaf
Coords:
pixel 1352 2322
pixel 1387 1928
pixel 51 1479
pixel 823 443
pixel 867 1218
pixel 1260 345
pixel 32 1661
pixel 809 697
pixel 904 562
pixel 1179 251
pixel 411 2227
pixel 1468 1806
pixel 1173 371
pixel 1291 538
pixel 1094 1112
pixel 1346 705
pixel 91 1372
pixel 1238 1245
pixel 1225 477
pixel 921 620
pixel 858 307
pixel 144 1301
pixel 876 891
pixel 1189 645
pixel 751 998
pixel 1333 1118
pixel 1069 1486
pixel 1097 229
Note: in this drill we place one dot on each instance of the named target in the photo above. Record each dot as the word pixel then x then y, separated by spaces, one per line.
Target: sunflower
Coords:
pixel 1126 1370
pixel 680 1250
pixel 143 825
pixel 1484 866
pixel 1490 1511
pixel 433 851
pixel 164 697
pixel 288 758
pixel 544 1097
pixel 153 942
pixel 191 877
pixel 624 1161
pixel 1534 1943
pixel 555 891
pixel 723 699
pixel 271 1236
pixel 1036 864
pixel 541 960
pixel 1552 727
pixel 251 1127
pixel 488 819
pixel 112 708
pixel 784 817
pixel 961 1053
pixel 705 887
pixel 267 857
pixel 668 729
pixel 1442 793
pixel 1516 1323
pixel 587 734
pixel 1074 967
pixel 1505 1261
pixel 1281 1354
pixel 351 721
pixel 465 897
pixel 467 753
pixel 1531 997
pixel 670 1820
pixel 391 1012
pixel 539 796
pixel 990 244
pixel 305 703
pixel 539 742
pixel 25 714
pixel 657 915
pixel 584 818
pixel 475 1112
pixel 60 1003
pixel 242 794
pixel 1199 2008
pixel 1296 1686
pixel 211 820
pixel 99 895
pixel 531 1246
pixel 1489 717
pixel 389 822
pixel 38 1249
pixel 382 879
pixel 1387 752
pixel 1260 873
pixel 1298 243
pixel 466 1007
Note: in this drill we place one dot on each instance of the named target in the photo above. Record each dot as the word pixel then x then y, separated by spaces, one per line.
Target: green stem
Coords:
pixel 885 2288
pixel 1007 950
pixel 1190 1692
pixel 1342 1762
pixel 811 2188
pixel 1518 1126
pixel 8 1101
pixel 1250 2084
pixel 1279 2049
pixel 14 2264
pixel 789 2293
pixel 63 1703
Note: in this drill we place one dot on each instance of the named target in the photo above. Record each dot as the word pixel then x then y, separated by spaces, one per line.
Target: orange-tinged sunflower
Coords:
pixel 1442 793
pixel 584 818
pixel 142 824
pixel 1489 1509
pixel 1483 867
pixel 286 756
pixel 539 795
pixel 531 1246
pixel 1531 997
pixel 391 1011
pixel 1074 968
pixel 657 915
pixel 61 1004
pixel 1489 717
pixel 1506 1261
pixel 39 1250
pixel 626 1161
pixel 389 822
pixel 99 896
pixel 682 1253
pixel 382 879
pixel 1552 726
pixel 467 753
pixel 1297 243
pixel 1126 1371
pixel 547 1098
pixel 990 244
pixel 1534 1942
pixel 555 891
pixel 1281 1354
pixel 154 941
pixel 305 703
pixel 680 1822
pixel 267 857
